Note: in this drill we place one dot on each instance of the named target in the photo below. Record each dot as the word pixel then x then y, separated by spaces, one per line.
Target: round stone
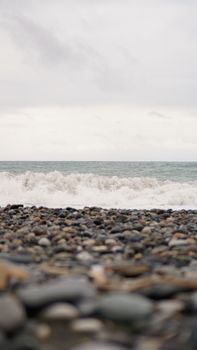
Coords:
pixel 59 312
pixel 84 256
pixel 12 315
pixel 125 308
pixel 44 242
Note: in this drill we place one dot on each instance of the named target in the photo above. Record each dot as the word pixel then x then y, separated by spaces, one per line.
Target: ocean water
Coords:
pixel 104 184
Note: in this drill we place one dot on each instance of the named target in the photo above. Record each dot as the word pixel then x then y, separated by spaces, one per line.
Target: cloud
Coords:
pixel 158 115
pixel 78 134
pixel 38 42
pixel 98 52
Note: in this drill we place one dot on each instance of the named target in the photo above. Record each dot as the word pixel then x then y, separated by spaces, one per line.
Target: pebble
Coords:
pixel 125 308
pixel 86 325
pixel 100 249
pixel 44 242
pixel 41 331
pixel 69 289
pixel 129 270
pixel 59 312
pixel 115 278
pixel 10 271
pixel 177 242
pixel 12 313
pixel 84 256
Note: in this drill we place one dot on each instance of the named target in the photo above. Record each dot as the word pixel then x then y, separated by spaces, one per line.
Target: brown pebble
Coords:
pixel 129 270
pixel 100 249
pixel 9 271
pixel 138 256
pixel 87 325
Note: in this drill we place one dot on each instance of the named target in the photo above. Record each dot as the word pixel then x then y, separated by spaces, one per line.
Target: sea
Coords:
pixel 123 185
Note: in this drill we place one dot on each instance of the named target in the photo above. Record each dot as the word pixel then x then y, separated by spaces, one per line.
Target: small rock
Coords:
pixel 170 307
pixel 117 249
pixel 59 312
pixel 177 242
pixel 69 290
pixel 146 230
pixel 84 256
pixel 129 270
pixel 41 331
pixel 86 325
pixel 12 315
pixel 110 242
pixel 10 271
pixel 125 308
pixel 100 249
pixel 89 242
pixel 44 242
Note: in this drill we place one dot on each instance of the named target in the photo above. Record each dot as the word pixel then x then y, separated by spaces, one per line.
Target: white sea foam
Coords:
pixel 55 189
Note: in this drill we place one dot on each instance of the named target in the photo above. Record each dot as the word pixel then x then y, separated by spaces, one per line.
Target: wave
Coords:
pixel 55 189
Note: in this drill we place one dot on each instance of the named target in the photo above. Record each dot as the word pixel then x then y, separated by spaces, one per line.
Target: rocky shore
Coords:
pixel 96 279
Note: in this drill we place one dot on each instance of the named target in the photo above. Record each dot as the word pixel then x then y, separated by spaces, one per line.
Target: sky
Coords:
pixel 98 80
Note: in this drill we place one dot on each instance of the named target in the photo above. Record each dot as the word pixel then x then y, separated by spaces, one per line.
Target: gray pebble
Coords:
pixel 59 312
pixel 84 256
pixel 87 325
pixel 177 242
pixel 125 308
pixel 44 242
pixel 12 314
pixel 69 290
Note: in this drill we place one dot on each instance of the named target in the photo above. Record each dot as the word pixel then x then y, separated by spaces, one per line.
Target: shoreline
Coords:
pixel 94 278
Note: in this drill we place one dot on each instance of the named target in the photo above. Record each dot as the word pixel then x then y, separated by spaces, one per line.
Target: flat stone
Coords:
pixel 177 242
pixel 170 307
pixel 68 290
pixel 86 325
pixel 12 315
pixel 162 291
pixel 89 242
pixel 59 312
pixel 100 249
pixel 84 256
pixel 130 270
pixel 125 308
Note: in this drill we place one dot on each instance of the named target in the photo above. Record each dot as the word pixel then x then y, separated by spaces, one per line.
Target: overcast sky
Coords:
pixel 98 80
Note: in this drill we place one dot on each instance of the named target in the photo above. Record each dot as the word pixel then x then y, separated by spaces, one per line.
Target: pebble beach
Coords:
pixel 97 279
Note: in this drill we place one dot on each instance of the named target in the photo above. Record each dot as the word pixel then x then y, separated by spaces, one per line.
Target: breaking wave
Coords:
pixel 55 189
